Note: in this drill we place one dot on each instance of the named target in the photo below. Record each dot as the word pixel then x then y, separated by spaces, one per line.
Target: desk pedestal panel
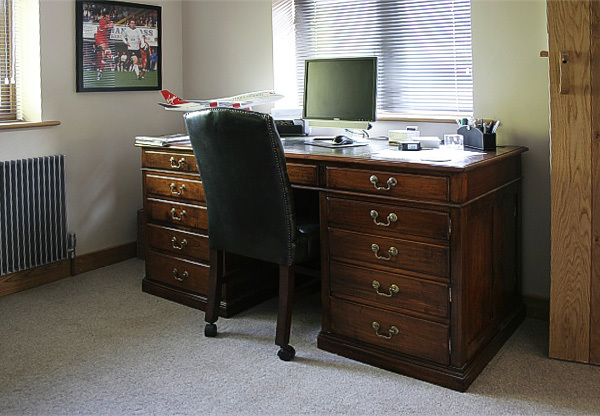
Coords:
pixel 177 250
pixel 426 288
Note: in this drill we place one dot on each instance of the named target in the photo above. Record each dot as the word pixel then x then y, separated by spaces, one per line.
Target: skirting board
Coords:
pixel 38 276
pixel 537 308
pixel 102 258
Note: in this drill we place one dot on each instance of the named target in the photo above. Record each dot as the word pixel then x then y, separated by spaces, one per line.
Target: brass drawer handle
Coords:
pixel 177 164
pixel 184 275
pixel 176 192
pixel 174 214
pixel 392 251
pixel 176 246
pixel 391 182
pixel 392 331
pixel 393 289
pixel 390 218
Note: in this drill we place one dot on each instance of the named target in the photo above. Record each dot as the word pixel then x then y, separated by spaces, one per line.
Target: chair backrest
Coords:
pixel 248 194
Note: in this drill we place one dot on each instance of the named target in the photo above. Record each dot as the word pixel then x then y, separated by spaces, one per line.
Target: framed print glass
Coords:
pixel 118 46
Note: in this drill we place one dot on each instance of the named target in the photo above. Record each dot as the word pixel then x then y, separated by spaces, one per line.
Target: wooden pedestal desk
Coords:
pixel 420 260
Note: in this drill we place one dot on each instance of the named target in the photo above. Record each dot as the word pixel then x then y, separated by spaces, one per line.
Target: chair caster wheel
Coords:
pixel 210 330
pixel 286 353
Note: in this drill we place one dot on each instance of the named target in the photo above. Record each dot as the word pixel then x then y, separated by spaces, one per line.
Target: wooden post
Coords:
pixel 570 38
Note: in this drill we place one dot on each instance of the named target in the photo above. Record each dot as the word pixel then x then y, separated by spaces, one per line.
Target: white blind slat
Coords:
pixel 423 47
pixel 10 108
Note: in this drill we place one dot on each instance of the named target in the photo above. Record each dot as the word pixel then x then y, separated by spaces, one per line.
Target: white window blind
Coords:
pixel 10 109
pixel 423 48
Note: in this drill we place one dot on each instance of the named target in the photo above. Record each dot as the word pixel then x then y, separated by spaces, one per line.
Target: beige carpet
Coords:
pixel 95 344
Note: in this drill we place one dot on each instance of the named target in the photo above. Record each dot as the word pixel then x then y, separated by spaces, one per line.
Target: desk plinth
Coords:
pixel 420 260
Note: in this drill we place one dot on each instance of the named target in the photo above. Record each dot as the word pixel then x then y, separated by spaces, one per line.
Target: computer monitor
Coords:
pixel 340 92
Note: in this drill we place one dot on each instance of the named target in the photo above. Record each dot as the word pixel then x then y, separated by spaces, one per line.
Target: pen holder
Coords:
pixel 476 139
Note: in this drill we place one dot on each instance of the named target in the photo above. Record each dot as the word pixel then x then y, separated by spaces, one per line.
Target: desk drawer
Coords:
pixel 303 174
pixel 389 290
pixel 413 336
pixel 174 187
pixel 398 185
pixel 177 214
pixel 179 243
pixel 386 252
pixel 389 220
pixel 179 273
pixel 165 160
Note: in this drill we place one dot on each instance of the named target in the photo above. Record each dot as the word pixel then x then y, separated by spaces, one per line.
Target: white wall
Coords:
pixel 228 47
pixel 512 84
pixel 97 130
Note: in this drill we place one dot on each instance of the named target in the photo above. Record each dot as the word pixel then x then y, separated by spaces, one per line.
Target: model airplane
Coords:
pixel 175 103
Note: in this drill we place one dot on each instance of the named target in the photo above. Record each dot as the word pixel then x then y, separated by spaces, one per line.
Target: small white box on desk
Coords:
pixel 429 142
pixel 395 136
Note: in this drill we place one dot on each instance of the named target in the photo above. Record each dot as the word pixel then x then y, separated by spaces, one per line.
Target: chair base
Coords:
pixel 210 330
pixel 284 313
pixel 286 353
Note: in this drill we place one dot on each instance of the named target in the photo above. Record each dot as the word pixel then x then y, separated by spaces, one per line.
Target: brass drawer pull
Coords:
pixel 392 251
pixel 390 218
pixel 174 190
pixel 184 275
pixel 393 289
pixel 392 331
pixel 174 214
pixel 177 164
pixel 391 182
pixel 181 246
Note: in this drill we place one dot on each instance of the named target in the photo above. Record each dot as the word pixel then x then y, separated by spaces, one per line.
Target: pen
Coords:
pixel 496 124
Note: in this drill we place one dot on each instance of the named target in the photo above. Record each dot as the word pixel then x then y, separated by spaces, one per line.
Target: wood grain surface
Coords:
pixel 571 180
pixel 595 295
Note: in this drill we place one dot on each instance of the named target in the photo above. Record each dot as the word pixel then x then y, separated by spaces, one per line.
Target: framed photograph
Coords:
pixel 118 46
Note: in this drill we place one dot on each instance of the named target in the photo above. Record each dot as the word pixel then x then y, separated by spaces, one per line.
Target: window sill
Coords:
pixel 421 118
pixel 10 125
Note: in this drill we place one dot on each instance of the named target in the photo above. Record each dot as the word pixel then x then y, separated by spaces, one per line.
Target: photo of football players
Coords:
pixel 118 46
pixel 102 48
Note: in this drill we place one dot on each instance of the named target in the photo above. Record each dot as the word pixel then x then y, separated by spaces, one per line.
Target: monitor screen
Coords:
pixel 340 89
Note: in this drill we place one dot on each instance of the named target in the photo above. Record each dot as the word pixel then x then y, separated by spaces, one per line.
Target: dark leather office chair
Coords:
pixel 250 205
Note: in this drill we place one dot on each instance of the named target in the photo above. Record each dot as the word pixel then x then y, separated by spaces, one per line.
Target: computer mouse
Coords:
pixel 341 139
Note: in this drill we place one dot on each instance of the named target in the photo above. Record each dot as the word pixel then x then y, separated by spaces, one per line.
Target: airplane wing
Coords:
pixel 189 106
pixel 175 103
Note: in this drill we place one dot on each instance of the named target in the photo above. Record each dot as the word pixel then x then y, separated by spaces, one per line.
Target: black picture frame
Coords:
pixel 104 35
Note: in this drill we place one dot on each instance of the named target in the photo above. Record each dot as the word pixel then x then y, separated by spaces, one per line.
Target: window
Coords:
pixel 9 68
pixel 423 49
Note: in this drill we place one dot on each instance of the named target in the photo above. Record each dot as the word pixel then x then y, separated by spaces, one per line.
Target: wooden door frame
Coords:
pixel 574 54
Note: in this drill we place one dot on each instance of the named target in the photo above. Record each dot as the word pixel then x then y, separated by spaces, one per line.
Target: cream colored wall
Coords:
pixel 227 47
pixel 511 84
pixel 221 47
pixel 97 130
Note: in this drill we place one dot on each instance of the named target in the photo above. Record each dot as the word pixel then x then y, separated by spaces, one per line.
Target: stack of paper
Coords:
pixel 166 140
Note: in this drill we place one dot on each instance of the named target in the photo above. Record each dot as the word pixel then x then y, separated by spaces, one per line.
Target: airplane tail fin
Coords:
pixel 171 98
